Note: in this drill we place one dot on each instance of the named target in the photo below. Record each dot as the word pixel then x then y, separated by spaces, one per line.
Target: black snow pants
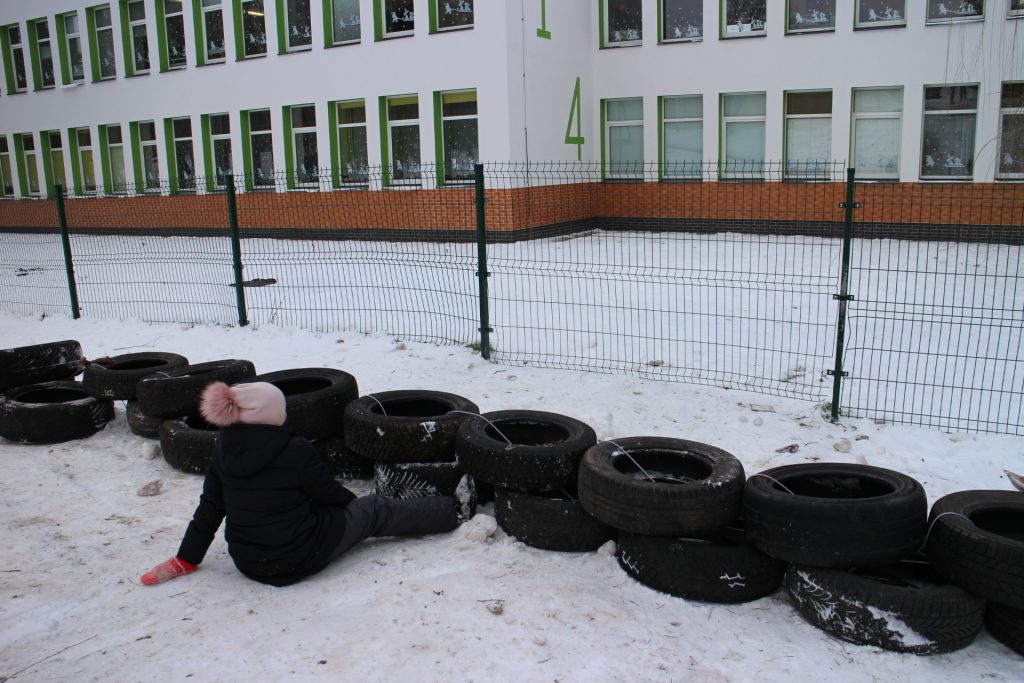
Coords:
pixel 374 515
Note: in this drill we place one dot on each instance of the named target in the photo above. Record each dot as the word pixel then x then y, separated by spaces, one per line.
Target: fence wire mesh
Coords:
pixel 33 280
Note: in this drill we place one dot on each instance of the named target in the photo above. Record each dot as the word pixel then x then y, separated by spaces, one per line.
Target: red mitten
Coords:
pixel 168 570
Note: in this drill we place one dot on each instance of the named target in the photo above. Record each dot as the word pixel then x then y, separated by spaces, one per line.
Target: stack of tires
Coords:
pixel 409 436
pixel 675 504
pixel 851 536
pixel 532 459
pixel 41 402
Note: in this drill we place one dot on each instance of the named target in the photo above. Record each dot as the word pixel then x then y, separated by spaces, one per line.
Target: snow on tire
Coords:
pixel 315 399
pixel 661 486
pixel 835 514
pixel 723 569
pixel 117 377
pixel 903 607
pixel 976 540
pixel 188 443
pixel 175 392
pixel 37 363
pixel 416 480
pixel 1006 625
pixel 549 520
pixel 52 412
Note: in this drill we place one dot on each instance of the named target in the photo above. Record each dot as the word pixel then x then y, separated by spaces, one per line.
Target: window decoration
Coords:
pixel 254 29
pixel 138 40
pixel 810 16
pixel 347 24
pixel 174 53
pixel 299 25
pixel 1011 132
pixel 946 11
pixel 623 22
pixel 459 135
pixel 399 18
pixel 73 66
pixel 880 13
pixel 454 14
pixel 948 130
pixel 42 53
pixel 744 18
pixel 682 20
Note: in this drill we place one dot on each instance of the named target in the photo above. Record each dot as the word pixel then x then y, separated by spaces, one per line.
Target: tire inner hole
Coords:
pixel 137 364
pixel 301 385
pixel 411 408
pixel 527 433
pixel 664 467
pixel 1008 523
pixel 53 395
pixel 836 486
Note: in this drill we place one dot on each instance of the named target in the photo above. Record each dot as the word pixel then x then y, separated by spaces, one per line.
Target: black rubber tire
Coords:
pixel 176 392
pixel 1006 625
pixel 723 569
pixel 983 553
pixel 416 479
pixel 315 399
pixel 406 426
pixel 140 424
pixel 38 363
pixel 698 493
pixel 52 412
pixel 117 377
pixel 903 607
pixel 838 515
pixel 544 454
pixel 341 460
pixel 549 520
pixel 188 443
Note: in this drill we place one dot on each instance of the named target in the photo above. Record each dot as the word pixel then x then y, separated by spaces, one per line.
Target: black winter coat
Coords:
pixel 284 510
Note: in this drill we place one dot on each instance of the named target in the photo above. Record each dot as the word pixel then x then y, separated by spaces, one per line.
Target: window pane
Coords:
pixel 303 117
pixel 185 160
pixel 114 135
pixel 877 146
pixel 947 10
pixel 682 107
pixel 684 148
pixel 745 105
pixel 151 166
pixel 84 137
pixel 808 145
pixel 75 55
pixel 306 160
pixel 346 20
pixel 299 33
pixel 262 160
pixel 259 120
pixel 1011 144
pixel 220 124
pixel 398 16
pixel 1012 95
pixel 625 149
pixel 808 103
pixel 176 41
pixel 136 10
pixel 213 24
pixel 354 155
pixel 88 170
pixel 254 27
pixel 625 110
pixel 458 104
pixel 351 112
pixel 624 20
pixel 405 152
pixel 461 150
pixel 147 131
pixel 744 149
pixel 942 98
pixel 682 19
pixel 140 48
pixel 454 13
pixel 57 167
pixel 400 108
pixel 105 42
pixel 33 173
pixel 222 164
pixel 811 15
pixel 948 147
pixel 882 100
pixel 118 179
pixel 182 128
pixel 881 12
pixel 745 16
pixel 6 178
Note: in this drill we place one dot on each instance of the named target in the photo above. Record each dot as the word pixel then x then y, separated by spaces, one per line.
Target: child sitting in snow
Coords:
pixel 287 517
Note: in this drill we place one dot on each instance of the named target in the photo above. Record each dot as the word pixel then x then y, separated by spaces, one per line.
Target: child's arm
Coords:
pixel 317 481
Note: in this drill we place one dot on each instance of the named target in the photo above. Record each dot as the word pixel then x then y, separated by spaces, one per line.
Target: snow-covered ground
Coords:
pixel 473 605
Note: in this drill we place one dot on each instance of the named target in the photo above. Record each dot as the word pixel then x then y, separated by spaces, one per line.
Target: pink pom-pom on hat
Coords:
pixel 253 403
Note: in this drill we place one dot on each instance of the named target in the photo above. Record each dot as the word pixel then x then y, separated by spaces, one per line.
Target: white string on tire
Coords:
pixel 626 453
pixel 779 483
pixel 382 410
pixel 937 518
pixel 493 426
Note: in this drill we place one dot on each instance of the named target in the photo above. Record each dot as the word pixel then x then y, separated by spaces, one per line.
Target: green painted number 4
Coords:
pixel 543 31
pixel 575 110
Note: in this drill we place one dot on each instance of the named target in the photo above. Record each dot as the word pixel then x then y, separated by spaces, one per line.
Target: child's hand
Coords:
pixel 168 570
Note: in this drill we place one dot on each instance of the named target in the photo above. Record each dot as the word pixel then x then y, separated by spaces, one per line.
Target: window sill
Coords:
pixel 681 181
pixel 171 69
pixel 615 46
pixel 343 44
pixel 449 29
pixel 296 50
pixel 674 41
pixel 136 74
pixel 393 36
pixel 807 31
pixel 246 58
pixel 740 36
pixel 881 25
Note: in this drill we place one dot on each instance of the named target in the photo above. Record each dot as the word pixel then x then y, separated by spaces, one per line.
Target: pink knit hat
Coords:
pixel 251 403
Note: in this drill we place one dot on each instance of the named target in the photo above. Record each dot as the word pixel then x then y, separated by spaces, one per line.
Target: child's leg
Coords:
pixel 375 515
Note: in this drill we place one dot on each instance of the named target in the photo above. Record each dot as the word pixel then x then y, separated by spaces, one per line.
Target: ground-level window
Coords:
pixel 623 22
pixel 403 138
pixel 460 139
pixel 219 164
pixel 624 137
pixel 744 18
pixel 808 134
pixel 682 136
pixel 184 171
pixel 946 11
pixel 261 148
pixel 880 13
pixel 253 30
pixel 43 53
pixel 101 43
pixel 397 18
pixel 14 59
pixel 1011 132
pixel 303 169
pixel 682 20
pixel 115 174
pixel 147 153
pixel 173 52
pixel 71 48
pixel 875 132
pixel 137 37
pixel 85 160
pixel 743 135
pixel 346 21
pixel 298 24
pixel 57 172
pixel 6 177
pixel 210 30
pixel 29 163
pixel 353 156
pixel 810 16
pixel 948 130
pixel 453 14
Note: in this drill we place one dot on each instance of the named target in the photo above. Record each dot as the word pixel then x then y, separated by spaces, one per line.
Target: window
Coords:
pixel 397 18
pixel 298 33
pixel 14 59
pixel 1015 9
pixel 42 54
pixel 682 20
pixel 83 161
pixel 101 42
pixel 148 174
pixel 173 54
pixel 219 164
pixel 6 177
pixel 403 137
pixel 460 146
pixel 68 32
pixel 137 37
pixel 880 13
pixel 808 134
pixel 253 36
pixel 115 175
pixel 28 164
pixel 353 158
pixel 744 18
pixel 261 149
pixel 875 132
pixel 451 14
pixel 947 11
pixel 303 160
pixel 209 31
pixel 183 172
pixel 810 16
pixel 947 139
pixel 345 22
pixel 53 163
pixel 1011 132
pixel 743 126
pixel 682 136
pixel 622 23
pixel 624 137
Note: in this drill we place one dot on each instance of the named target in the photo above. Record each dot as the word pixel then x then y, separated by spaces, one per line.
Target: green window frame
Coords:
pixel 114 167
pixel 218 161
pixel 54 167
pixel 341 30
pixel 397 113
pixel 680 21
pixel 393 19
pixel 69 48
pixel 135 37
pixel 208 30
pixel 145 155
pixel 614 33
pixel 40 45
pixel 170 34
pixel 102 52
pixel 451 15
pixel 456 136
pixel 679 117
pixel 347 120
pixel 28 164
pixel 6 176
pixel 83 160
pixel 258 172
pixel 250 29
pixel 301 157
pixel 181 154
pixel 294 25
pixel 14 58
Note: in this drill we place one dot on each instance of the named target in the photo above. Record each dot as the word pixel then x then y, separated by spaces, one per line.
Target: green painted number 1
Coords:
pixel 575 113
pixel 543 31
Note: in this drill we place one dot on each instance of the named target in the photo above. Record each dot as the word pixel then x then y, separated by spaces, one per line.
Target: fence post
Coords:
pixel 481 262
pixel 236 251
pixel 69 266
pixel 844 296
